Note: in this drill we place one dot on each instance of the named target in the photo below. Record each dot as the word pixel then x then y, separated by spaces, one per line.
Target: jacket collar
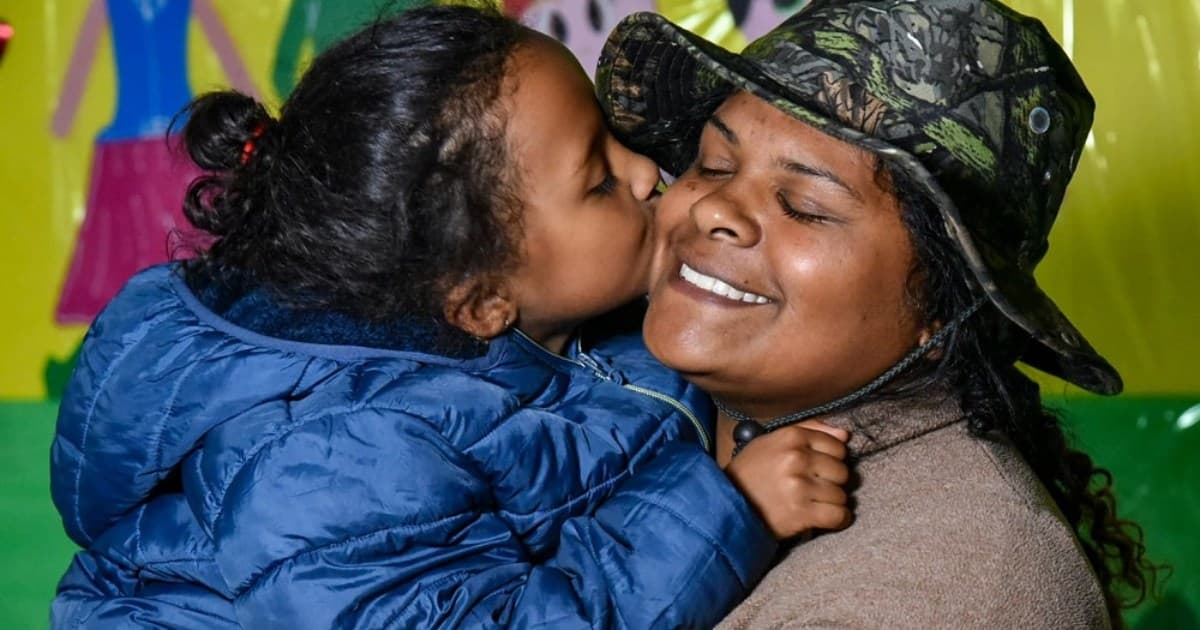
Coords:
pixel 252 307
pixel 879 425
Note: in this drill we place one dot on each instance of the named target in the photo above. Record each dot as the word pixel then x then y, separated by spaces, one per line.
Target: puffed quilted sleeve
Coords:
pixel 151 569
pixel 370 522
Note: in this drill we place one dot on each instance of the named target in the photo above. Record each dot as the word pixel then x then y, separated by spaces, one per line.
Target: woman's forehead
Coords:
pixel 792 145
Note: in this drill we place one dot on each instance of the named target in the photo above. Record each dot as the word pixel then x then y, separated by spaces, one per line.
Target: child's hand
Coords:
pixel 794 476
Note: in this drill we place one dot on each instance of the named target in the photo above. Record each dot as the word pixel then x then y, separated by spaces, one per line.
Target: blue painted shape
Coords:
pixel 150 47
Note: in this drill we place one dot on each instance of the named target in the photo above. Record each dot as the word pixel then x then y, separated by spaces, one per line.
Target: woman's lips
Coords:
pixel 717 287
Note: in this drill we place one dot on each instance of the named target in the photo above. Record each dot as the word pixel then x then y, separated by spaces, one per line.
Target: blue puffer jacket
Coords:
pixel 219 475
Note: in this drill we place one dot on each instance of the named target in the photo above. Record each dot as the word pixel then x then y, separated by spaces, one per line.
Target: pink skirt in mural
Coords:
pixel 134 220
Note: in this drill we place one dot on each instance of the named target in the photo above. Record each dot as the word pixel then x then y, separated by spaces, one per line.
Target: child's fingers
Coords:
pixel 828 468
pixel 829 516
pixel 824 443
pixel 797 437
pixel 816 425
pixel 826 492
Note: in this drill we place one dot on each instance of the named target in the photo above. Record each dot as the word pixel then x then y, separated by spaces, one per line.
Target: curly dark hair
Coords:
pixel 383 181
pixel 978 363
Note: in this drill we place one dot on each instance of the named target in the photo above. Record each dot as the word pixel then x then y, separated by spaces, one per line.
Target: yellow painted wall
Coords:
pixel 1124 259
pixel 45 180
pixel 1125 256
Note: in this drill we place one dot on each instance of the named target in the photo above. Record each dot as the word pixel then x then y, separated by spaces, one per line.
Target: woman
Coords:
pixel 862 197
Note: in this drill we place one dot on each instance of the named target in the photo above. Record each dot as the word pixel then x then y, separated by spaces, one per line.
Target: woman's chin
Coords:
pixel 682 349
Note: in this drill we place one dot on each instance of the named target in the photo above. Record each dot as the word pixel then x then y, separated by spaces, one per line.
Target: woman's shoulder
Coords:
pixel 956 497
pixel 977 486
pixel 949 531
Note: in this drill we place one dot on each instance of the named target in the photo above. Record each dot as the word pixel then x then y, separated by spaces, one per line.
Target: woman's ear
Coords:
pixel 481 307
pixel 927 332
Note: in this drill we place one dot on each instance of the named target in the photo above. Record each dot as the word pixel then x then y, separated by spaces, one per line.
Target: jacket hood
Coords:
pixel 159 370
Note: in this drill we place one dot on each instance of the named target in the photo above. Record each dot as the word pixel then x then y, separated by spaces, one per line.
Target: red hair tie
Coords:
pixel 248 148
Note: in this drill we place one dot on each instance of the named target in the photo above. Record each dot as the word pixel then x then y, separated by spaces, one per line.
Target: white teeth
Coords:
pixel 712 285
pixel 724 290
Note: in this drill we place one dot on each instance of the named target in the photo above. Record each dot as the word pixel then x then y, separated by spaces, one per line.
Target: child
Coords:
pixel 305 427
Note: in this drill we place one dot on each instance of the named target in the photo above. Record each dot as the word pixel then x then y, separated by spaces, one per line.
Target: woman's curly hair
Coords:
pixel 381 184
pixel 978 363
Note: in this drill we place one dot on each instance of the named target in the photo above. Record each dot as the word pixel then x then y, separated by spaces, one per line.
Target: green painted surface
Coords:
pixel 34 551
pixel 1150 444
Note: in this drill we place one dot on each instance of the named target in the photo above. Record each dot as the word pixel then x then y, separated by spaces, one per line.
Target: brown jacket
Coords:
pixel 950 531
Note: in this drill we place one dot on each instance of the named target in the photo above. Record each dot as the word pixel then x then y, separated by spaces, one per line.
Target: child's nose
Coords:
pixel 643 176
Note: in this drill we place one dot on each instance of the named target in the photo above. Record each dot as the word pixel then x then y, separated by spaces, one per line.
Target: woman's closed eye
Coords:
pixel 807 213
pixel 714 169
pixel 712 172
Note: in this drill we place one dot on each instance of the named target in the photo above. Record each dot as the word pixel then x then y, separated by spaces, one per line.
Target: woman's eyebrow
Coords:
pixel 720 126
pixel 813 171
pixel 789 165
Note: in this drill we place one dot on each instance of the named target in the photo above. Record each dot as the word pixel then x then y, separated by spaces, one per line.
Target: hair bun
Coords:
pixel 221 126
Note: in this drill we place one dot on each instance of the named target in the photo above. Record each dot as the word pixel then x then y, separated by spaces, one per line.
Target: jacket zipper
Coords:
pixel 593 367
pixel 705 440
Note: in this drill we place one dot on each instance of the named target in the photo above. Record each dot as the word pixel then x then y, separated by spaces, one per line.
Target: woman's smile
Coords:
pixel 707 287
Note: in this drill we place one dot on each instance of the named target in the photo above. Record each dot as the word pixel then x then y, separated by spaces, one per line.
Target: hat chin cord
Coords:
pixel 748 428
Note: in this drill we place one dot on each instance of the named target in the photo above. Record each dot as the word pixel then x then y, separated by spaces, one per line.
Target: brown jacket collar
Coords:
pixel 879 425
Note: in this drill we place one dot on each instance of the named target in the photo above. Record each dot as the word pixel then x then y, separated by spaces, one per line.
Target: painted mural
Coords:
pixel 137 178
pixel 92 188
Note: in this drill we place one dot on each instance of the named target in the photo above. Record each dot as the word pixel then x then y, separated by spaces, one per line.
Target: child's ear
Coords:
pixel 481 307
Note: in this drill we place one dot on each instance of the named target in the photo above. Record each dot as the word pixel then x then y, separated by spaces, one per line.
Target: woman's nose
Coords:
pixel 722 218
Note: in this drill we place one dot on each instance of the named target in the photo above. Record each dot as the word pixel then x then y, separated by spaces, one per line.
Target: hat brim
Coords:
pixel 658 84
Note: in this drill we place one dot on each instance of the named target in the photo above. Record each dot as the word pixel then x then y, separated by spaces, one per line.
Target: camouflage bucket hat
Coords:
pixel 976 102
